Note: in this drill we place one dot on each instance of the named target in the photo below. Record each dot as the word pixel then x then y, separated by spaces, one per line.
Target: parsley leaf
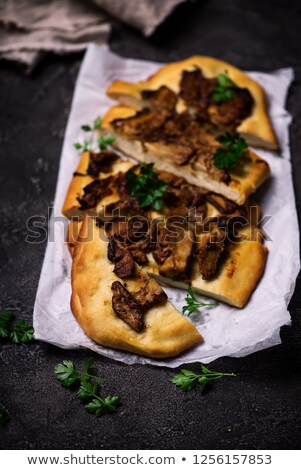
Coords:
pixel 5 322
pixel 22 333
pixel 100 406
pixel 187 380
pixel 193 304
pixel 88 391
pixel 86 128
pixel 4 416
pixel 66 373
pixel 233 148
pixel 146 186
pixel 87 144
pixel 225 88
pixel 19 332
pixel 97 123
pixel 103 142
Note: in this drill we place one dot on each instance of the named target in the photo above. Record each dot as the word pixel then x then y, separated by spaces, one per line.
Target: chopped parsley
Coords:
pixel 225 88
pixel 233 148
pixel 146 186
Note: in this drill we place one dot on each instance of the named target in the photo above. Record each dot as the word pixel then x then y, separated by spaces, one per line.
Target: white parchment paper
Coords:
pixel 227 331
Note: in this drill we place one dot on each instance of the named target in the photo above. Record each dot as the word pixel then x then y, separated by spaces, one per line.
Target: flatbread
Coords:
pixel 245 179
pixel 256 128
pixel 236 279
pixel 166 334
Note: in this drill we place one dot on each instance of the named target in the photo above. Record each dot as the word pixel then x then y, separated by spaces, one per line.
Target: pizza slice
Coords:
pixel 119 306
pixel 218 94
pixel 181 145
pixel 197 238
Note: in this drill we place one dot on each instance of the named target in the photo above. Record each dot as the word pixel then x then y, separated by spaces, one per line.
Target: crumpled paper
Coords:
pixel 227 331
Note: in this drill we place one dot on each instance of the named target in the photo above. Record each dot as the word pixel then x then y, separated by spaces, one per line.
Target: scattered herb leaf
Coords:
pixel 233 148
pixel 22 333
pixel 5 322
pixel 193 304
pixel 97 123
pixel 87 144
pixel 77 145
pixel 86 128
pixel 19 332
pixel 99 406
pixel 4 416
pixel 103 142
pixel 66 373
pixel 88 391
pixel 225 88
pixel 187 380
pixel 146 186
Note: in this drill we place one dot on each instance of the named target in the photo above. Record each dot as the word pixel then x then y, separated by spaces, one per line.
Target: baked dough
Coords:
pixel 166 333
pixel 245 179
pixel 71 207
pixel 256 129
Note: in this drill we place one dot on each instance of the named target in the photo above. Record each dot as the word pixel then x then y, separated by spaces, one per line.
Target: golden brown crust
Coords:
pixel 236 279
pixel 71 207
pixel 257 128
pixel 166 334
pixel 244 180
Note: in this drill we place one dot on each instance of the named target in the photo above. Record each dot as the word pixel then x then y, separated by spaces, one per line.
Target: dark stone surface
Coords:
pixel 260 409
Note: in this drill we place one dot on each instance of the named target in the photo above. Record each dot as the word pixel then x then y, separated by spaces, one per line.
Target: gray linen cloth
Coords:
pixel 30 28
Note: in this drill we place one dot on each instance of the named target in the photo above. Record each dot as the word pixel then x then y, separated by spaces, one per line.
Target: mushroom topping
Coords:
pixel 126 307
pixel 208 252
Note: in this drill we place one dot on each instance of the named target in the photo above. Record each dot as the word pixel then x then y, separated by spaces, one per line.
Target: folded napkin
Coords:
pixel 31 28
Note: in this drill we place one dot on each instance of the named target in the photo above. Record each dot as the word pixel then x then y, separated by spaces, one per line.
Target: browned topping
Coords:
pixel 204 161
pixel 209 251
pixel 163 98
pixel 222 204
pixel 181 196
pixel 125 207
pixel 150 293
pixel 101 162
pixel 144 125
pixel 94 192
pixel 196 90
pixel 125 266
pixel 229 114
pixel 172 251
pixel 126 307
pixel 131 235
pixel 161 250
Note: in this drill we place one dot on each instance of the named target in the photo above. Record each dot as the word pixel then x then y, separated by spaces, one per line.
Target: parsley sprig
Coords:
pixel 146 186
pixel 88 391
pixel 103 142
pixel 18 332
pixel 4 416
pixel 187 380
pixel 233 148
pixel 87 144
pixel 225 88
pixel 193 304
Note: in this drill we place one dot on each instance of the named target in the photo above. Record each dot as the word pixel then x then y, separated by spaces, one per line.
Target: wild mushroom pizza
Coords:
pixel 177 214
